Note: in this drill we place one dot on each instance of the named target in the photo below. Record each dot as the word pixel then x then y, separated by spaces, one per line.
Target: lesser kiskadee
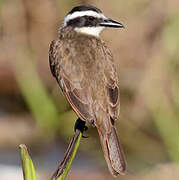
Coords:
pixel 85 71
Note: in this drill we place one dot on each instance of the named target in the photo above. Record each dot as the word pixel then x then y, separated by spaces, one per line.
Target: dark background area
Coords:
pixel 33 110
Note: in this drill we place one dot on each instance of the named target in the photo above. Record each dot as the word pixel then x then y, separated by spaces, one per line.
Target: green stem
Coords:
pixel 64 167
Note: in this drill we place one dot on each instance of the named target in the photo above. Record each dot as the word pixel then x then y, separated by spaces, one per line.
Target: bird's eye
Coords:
pixel 91 18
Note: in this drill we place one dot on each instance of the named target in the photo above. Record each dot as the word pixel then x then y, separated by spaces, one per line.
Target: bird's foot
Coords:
pixel 80 125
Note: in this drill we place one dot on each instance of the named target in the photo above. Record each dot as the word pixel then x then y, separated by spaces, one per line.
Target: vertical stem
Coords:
pixel 63 169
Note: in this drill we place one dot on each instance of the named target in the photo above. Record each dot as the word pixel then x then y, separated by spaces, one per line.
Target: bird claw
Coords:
pixel 85 136
pixel 80 125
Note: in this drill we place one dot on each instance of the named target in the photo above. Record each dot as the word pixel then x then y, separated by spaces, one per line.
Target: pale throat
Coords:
pixel 93 31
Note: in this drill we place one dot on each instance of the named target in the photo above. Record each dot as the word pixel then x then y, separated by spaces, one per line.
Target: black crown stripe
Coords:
pixel 85 8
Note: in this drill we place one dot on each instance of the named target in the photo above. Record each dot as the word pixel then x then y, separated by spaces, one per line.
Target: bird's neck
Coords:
pixel 66 32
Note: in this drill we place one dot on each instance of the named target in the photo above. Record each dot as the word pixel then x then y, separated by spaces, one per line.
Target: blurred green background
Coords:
pixel 34 111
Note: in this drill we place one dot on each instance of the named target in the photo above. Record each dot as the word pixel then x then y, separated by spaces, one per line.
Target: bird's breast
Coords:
pixel 84 55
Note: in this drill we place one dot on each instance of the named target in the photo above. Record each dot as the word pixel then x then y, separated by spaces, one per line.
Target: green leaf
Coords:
pixel 27 164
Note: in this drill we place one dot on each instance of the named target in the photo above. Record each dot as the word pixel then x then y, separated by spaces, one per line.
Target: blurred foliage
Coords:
pixel 147 59
pixel 36 96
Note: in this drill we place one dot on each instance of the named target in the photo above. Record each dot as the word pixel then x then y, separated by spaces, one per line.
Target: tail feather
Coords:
pixel 112 151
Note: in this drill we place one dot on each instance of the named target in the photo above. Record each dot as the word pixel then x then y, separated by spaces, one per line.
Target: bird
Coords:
pixel 84 68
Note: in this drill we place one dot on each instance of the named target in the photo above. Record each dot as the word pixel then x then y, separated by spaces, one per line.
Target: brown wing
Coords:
pixel 111 84
pixel 70 78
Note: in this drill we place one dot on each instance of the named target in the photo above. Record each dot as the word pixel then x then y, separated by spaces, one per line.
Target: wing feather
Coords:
pixel 71 82
pixel 111 84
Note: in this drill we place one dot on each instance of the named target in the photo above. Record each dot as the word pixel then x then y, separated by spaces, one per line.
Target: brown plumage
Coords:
pixel 84 69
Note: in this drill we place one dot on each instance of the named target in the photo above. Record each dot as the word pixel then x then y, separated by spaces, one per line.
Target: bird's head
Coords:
pixel 89 20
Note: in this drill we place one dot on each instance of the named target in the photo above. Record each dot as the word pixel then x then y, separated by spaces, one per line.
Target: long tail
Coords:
pixel 112 151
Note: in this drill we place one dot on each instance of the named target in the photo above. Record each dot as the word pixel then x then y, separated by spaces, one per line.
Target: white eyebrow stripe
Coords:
pixel 83 13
